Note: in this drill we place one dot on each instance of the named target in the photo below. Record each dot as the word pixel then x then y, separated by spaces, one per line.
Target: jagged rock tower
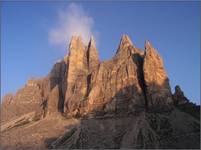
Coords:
pixel 130 93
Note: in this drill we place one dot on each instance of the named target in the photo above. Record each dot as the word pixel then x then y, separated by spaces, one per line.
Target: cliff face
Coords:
pixel 132 87
pixel 157 83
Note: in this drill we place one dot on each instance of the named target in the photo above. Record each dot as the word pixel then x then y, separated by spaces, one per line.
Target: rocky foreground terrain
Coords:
pixel 125 102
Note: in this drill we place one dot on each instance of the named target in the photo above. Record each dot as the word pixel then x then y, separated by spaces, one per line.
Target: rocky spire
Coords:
pixel 110 102
pixel 92 55
pixel 148 46
pixel 125 42
pixel 124 49
pixel 155 77
pixel 179 97
pixel 76 45
pixel 76 74
pixel 92 43
pixel 77 54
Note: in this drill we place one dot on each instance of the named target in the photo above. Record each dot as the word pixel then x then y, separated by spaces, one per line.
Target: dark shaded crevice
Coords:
pixel 61 101
pixel 65 106
pixel 127 71
pixel 88 84
pixel 63 81
pixel 144 89
pixel 44 106
pixel 87 54
pixel 139 60
pixel 89 74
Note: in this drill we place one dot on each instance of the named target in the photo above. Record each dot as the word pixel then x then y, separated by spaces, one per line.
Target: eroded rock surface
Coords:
pixel 158 90
pixel 125 102
pixel 141 131
pixel 179 97
pixel 26 100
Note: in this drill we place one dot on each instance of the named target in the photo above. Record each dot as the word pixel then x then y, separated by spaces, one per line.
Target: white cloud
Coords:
pixel 72 21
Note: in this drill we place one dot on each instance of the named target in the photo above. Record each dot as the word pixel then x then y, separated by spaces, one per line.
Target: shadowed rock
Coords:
pixel 53 100
pixel 179 97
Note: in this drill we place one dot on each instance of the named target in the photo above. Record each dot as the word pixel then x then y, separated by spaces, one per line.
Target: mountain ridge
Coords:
pixel 132 86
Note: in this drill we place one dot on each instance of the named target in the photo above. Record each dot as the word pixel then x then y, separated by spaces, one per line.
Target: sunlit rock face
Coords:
pixel 124 102
pixel 76 75
pixel 116 84
pixel 158 90
pixel 26 100
pixel 54 98
pixel 81 84
pixel 92 56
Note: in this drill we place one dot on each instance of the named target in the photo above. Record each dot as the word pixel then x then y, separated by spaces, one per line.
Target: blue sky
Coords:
pixel 172 27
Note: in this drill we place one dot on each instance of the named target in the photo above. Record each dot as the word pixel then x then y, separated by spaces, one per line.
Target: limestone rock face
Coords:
pixel 113 101
pixel 158 90
pixel 53 100
pixel 5 107
pixel 125 42
pixel 92 55
pixel 26 100
pixel 116 85
pixel 57 74
pixel 179 97
pixel 80 84
pixel 57 77
pixel 76 75
pixel 126 48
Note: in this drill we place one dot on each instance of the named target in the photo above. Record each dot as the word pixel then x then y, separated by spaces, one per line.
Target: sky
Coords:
pixel 34 35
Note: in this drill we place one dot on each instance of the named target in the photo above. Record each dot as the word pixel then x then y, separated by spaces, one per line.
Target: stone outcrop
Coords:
pixel 184 104
pixel 143 131
pixel 92 55
pixel 119 103
pixel 53 100
pixel 80 84
pixel 57 77
pixel 26 100
pixel 76 76
pixel 158 90
pixel 179 97
pixel 115 85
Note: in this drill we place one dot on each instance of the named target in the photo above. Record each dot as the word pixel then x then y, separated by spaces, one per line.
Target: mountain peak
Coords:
pixel 124 46
pixel 128 97
pixel 75 38
pixel 92 42
pixel 92 54
pixel 150 50
pixel 125 41
pixel 148 45
pixel 76 44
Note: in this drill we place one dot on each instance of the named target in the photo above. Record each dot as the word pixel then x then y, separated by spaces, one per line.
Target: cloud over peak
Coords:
pixel 73 20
